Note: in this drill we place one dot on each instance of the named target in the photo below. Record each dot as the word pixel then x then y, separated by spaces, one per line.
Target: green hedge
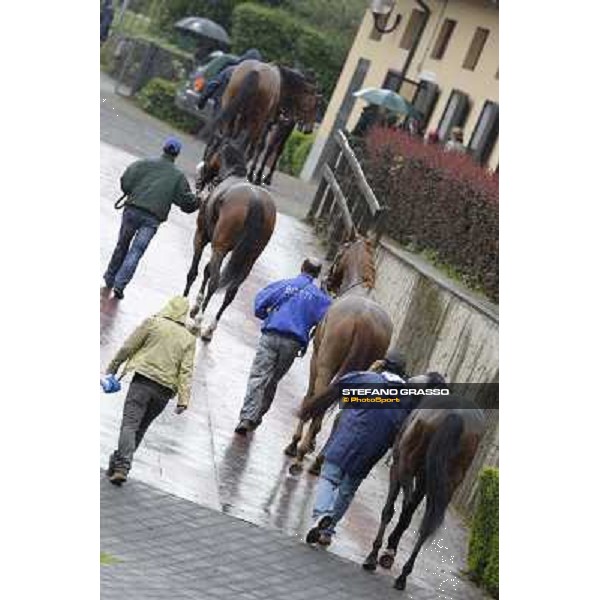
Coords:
pixel 157 98
pixel 295 152
pixel 287 40
pixel 483 558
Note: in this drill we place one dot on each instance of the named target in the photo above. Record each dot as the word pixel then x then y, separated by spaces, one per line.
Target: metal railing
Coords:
pixel 344 199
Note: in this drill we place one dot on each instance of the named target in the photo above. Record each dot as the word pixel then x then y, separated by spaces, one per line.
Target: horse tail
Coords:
pixel 317 405
pixel 443 448
pixel 358 358
pixel 245 251
pixel 244 97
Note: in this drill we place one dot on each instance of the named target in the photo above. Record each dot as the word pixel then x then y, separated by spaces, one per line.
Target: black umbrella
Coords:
pixel 203 28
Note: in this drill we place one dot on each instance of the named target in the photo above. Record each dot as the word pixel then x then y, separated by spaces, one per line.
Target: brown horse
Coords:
pixel 432 453
pixel 277 136
pixel 255 95
pixel 295 111
pixel 355 332
pixel 237 218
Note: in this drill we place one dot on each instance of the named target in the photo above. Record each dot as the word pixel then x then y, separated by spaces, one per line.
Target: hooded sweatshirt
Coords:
pixel 162 349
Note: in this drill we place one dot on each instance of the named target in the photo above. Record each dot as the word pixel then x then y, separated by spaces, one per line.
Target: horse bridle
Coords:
pixel 335 263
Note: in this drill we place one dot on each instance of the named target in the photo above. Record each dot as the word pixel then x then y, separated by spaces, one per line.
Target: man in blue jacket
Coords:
pixel 289 310
pixel 360 439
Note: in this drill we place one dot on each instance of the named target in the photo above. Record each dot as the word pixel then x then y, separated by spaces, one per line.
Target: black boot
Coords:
pixel 244 426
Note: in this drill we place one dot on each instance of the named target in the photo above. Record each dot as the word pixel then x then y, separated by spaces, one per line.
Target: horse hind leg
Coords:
pixel 315 467
pixel 215 273
pixel 409 506
pixel 307 444
pixel 200 297
pixel 199 244
pixel 387 513
pixel 257 154
pixel 229 296
pixel 292 448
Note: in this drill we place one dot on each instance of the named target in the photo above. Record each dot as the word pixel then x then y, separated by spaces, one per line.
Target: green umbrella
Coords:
pixel 388 99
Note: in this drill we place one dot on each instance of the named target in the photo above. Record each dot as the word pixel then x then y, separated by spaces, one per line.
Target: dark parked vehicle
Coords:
pixel 186 98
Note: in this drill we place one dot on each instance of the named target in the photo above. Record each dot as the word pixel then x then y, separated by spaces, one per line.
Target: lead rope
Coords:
pixel 120 203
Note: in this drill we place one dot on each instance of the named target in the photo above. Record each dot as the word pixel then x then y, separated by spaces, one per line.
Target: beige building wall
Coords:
pixel 448 73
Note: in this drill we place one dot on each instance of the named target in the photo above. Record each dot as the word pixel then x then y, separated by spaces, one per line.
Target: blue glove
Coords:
pixel 110 384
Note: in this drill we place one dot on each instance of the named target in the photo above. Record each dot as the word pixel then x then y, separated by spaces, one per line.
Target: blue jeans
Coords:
pixel 335 492
pixel 137 229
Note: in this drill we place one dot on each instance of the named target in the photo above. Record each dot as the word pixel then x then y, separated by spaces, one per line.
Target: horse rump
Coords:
pixel 247 248
pixel 243 98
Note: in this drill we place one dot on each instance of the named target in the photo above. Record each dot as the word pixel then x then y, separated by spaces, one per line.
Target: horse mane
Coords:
pixel 234 160
pixel 368 265
pixel 292 80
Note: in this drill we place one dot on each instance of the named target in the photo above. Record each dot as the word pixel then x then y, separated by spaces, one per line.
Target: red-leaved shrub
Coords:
pixel 438 201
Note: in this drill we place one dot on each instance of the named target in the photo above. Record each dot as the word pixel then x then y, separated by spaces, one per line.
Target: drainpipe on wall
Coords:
pixel 413 48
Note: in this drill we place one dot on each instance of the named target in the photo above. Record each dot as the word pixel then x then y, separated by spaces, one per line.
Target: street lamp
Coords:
pixel 381 10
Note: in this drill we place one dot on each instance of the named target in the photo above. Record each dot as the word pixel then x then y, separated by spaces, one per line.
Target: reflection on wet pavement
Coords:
pixel 196 455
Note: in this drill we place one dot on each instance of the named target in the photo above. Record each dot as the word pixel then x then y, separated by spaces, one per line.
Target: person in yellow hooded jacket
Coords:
pixel 160 353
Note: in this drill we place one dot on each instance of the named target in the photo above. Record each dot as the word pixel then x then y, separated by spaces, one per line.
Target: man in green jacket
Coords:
pixel 160 352
pixel 152 186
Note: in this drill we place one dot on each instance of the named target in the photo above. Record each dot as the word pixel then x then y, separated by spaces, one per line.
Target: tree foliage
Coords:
pixel 439 202
pixel 295 152
pixel 340 18
pixel 483 559
pixel 288 40
pixel 220 11
pixel 157 98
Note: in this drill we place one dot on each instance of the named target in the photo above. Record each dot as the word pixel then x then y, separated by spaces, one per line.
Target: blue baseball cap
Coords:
pixel 172 146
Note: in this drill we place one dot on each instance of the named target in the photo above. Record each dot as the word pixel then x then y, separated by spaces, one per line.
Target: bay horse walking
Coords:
pixel 277 136
pixel 355 332
pixel 236 218
pixel 431 455
pixel 255 95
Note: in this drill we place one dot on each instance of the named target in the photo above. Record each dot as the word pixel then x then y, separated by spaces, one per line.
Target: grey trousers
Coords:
pixel 145 400
pixel 274 357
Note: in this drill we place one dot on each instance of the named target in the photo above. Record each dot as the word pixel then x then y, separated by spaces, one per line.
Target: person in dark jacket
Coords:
pixel 360 439
pixel 152 186
pixel 107 14
pixel 216 87
pixel 289 309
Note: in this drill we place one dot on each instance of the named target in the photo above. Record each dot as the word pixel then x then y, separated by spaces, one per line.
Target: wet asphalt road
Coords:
pixel 196 455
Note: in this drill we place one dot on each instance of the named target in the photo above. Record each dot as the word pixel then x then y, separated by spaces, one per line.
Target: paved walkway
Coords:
pixel 169 548
pixel 125 126
pixel 197 457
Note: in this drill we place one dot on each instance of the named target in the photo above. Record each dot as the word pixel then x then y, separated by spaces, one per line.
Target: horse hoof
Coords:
pixel 370 563
pixel 206 336
pixel 295 469
pixel 386 561
pixel 291 450
pixel 400 584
